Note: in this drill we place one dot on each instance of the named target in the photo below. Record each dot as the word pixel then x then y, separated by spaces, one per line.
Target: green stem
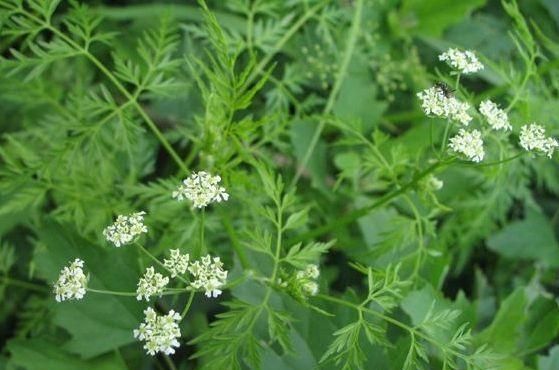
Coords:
pixel 445 138
pixel 421 242
pixel 168 291
pixel 360 212
pixel 352 40
pixel 239 250
pixel 24 284
pixel 169 362
pixel 488 164
pixel 200 248
pixel 156 260
pixel 188 304
pixel 286 37
pixel 85 52
pixel 457 83
pixel 112 292
pixel 413 331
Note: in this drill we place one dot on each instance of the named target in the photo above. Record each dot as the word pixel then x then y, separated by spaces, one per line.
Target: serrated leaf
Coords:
pixel 297 220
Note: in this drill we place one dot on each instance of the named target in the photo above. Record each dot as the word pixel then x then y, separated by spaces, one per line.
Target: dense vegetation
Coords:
pixel 304 206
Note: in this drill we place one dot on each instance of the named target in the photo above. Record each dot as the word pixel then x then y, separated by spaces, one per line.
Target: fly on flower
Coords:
pixel 447 91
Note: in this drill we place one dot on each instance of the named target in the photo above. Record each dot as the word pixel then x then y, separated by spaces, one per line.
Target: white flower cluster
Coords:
pixel 160 332
pixel 208 275
pixel 468 143
pixel 496 117
pixel 532 138
pixel 125 229
pixel 307 278
pixel 436 102
pixel 463 61
pixel 152 283
pixel 201 189
pixel 71 283
pixel 177 264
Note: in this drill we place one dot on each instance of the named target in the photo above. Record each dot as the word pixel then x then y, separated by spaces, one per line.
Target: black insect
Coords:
pixel 445 89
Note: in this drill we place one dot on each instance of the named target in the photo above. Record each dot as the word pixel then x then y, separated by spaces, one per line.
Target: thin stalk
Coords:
pixel 352 40
pixel 413 331
pixel 200 247
pixel 488 164
pixel 445 138
pixel 281 42
pixel 85 52
pixel 156 260
pixel 24 284
pixel 360 212
pixel 239 250
pixel 188 304
pixel 169 362
pixel 112 292
pixel 132 294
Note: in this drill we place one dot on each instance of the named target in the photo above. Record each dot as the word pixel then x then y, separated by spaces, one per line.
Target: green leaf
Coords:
pixel 297 219
pixel 300 257
pixel 97 323
pixel 530 239
pixel 503 333
pixel 432 17
pixel 301 135
pixel 542 325
pixel 40 354
pixel 357 98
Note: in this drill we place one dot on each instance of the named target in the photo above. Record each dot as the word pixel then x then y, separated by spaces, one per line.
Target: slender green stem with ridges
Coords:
pixel 24 284
pixel 157 261
pixel 200 248
pixel 188 304
pixel 85 52
pixel 352 40
pixel 360 212
pixel 281 42
pixel 411 330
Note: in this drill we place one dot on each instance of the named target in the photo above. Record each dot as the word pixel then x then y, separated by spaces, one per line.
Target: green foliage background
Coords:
pixel 307 110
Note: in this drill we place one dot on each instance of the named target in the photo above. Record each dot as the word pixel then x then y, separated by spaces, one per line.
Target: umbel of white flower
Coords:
pixel 177 263
pixel 463 61
pixel 201 188
pixel 159 332
pixel 307 279
pixel 532 138
pixel 469 144
pixel 209 275
pixel 496 117
pixel 125 229
pixel 434 101
pixel 152 283
pixel 71 283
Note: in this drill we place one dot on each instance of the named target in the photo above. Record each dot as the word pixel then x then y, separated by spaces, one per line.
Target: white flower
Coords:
pixel 209 275
pixel 532 138
pixel 306 278
pixel 201 189
pixel 125 229
pixel 177 263
pixel 160 332
pixel 496 117
pixel 152 283
pixel 310 288
pixel 310 272
pixel 463 61
pixel 435 101
pixel 468 143
pixel 71 283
